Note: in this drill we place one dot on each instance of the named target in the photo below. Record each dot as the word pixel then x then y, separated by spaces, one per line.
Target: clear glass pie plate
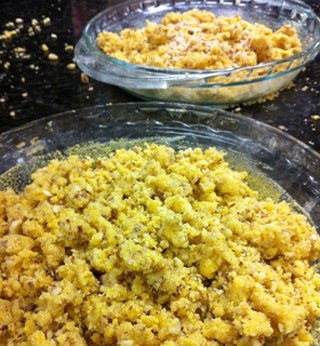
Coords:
pixel 278 164
pixel 208 87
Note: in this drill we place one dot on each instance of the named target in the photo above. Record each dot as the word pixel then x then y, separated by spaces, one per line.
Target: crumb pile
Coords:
pixel 151 246
pixel 199 40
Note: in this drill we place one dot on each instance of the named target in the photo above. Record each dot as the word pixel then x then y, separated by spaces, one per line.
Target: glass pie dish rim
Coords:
pixel 128 75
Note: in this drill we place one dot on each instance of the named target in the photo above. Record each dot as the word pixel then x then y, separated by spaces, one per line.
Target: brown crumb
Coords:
pixel 84 78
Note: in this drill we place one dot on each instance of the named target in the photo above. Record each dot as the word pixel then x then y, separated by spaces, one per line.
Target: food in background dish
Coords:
pixel 151 246
pixel 199 40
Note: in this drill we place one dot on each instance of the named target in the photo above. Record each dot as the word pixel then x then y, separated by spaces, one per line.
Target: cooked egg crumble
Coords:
pixel 199 40
pixel 152 246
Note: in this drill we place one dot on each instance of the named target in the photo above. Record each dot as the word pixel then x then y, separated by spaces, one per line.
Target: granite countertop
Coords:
pixel 32 86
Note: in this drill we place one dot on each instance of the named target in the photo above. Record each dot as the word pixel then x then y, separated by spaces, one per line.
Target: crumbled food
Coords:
pixel 53 57
pixel 7 65
pixel 34 22
pixel 54 36
pixel 68 48
pixel 152 246
pixel 199 40
pixel 9 25
pixel 71 66
pixel 46 21
pixel 7 35
pixel 44 48
pixel 84 78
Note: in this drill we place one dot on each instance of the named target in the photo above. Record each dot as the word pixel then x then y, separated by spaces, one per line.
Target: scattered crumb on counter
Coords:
pixel 44 48
pixel 46 21
pixel 71 66
pixel 54 36
pixel 53 57
pixel 68 48
pixel 84 78
pixel 282 128
pixel 7 65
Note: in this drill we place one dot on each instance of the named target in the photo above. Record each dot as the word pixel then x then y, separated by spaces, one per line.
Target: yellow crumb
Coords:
pixel 53 57
pixel 46 21
pixel 44 48
pixel 152 246
pixel 199 40
pixel 71 66
pixel 68 48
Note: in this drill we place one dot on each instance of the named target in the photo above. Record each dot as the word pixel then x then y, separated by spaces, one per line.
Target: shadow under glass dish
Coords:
pixel 208 87
pixel 277 163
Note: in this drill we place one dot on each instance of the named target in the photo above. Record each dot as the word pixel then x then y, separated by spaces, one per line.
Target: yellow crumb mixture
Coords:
pixel 199 40
pixel 151 246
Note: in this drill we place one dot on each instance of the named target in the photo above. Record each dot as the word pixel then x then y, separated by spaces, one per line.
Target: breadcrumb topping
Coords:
pixel 199 40
pixel 151 246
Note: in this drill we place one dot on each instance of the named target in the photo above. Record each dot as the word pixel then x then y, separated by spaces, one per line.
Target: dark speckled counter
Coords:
pixel 32 86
